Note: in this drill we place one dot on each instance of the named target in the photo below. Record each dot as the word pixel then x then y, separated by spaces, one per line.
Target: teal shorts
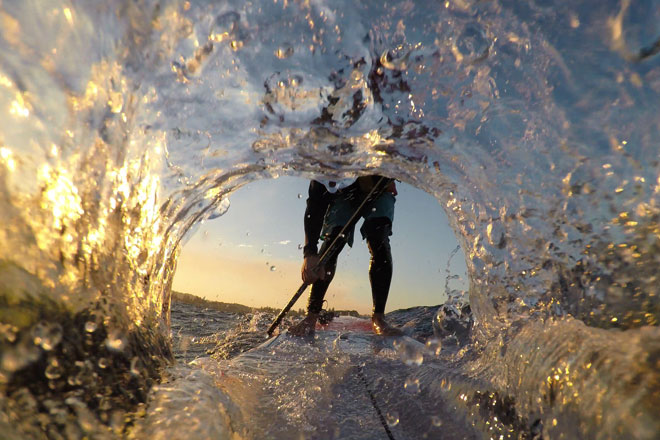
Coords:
pixel 342 208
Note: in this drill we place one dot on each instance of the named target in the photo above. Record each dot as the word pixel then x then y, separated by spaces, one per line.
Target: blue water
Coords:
pixel 534 124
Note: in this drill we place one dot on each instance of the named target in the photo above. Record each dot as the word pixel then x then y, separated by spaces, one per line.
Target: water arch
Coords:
pixel 534 126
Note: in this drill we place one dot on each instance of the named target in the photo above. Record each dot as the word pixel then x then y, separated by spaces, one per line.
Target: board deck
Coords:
pixel 346 323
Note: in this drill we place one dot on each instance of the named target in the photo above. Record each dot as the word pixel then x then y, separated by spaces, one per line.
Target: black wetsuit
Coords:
pixel 376 231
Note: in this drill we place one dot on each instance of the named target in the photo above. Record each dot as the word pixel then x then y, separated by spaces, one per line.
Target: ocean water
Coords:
pixel 124 124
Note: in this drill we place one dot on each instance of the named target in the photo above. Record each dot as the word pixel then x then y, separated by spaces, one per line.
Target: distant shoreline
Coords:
pixel 188 298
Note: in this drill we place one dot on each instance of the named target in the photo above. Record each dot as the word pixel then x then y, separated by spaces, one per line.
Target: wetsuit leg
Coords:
pixel 320 287
pixel 377 232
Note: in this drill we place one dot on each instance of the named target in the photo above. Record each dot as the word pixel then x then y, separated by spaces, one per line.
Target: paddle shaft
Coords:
pixel 378 189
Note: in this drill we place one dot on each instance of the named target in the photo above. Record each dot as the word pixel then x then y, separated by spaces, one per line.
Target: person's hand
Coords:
pixel 311 270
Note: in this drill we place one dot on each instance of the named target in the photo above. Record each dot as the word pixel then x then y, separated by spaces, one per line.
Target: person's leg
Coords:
pixel 377 231
pixel 320 287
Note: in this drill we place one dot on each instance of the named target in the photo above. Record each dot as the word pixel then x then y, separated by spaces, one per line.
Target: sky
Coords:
pixel 252 255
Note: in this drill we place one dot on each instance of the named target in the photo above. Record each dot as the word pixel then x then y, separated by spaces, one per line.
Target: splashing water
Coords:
pixel 124 124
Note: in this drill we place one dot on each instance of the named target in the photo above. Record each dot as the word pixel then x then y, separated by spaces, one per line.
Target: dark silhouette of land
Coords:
pixel 191 299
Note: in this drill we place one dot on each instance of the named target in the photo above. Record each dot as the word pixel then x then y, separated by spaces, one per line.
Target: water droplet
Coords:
pixel 284 51
pixel 273 268
pixel 434 345
pixel 8 332
pixel 46 335
pixel 219 210
pixel 411 385
pixel 445 384
pixel 496 235
pixel 396 58
pixel 392 418
pixel 472 44
pixel 299 196
pixel 115 341
pixel 115 101
pixel 73 402
pixel 436 420
pixel 300 246
pixel 247 234
pixel 103 363
pixel 227 22
pixel 90 327
pixel 53 370
pixel 409 352
pixel 134 366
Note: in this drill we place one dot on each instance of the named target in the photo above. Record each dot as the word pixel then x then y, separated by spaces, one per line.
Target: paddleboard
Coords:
pixel 345 383
pixel 355 335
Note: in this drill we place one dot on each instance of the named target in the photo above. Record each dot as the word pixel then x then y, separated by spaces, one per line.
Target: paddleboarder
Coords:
pixel 330 205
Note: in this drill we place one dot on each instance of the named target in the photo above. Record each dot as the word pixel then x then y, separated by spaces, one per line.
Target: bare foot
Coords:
pixel 305 327
pixel 381 327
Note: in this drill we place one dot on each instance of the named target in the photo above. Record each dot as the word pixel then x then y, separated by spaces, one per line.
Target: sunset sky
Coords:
pixel 250 255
